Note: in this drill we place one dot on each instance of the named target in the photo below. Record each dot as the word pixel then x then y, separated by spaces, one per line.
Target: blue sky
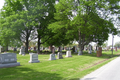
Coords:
pixel 116 38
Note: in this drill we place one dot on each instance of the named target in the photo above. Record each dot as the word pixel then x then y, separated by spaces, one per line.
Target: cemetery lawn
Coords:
pixel 72 68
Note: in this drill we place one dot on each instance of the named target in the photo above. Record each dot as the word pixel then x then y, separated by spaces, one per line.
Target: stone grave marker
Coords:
pixel 60 55
pixel 22 50
pixel 68 54
pixel 33 58
pixel 52 57
pixel 8 60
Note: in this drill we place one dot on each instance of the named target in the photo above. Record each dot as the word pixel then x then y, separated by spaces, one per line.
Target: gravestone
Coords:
pixel 60 55
pixel 33 58
pixel 52 57
pixel 8 60
pixel 68 54
pixel 22 50
pixel 53 50
pixel 65 48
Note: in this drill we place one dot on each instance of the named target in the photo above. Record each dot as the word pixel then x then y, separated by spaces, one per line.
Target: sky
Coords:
pixel 116 38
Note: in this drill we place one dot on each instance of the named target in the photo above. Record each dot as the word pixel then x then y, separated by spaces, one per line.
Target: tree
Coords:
pixel 117 44
pixel 44 21
pixel 83 21
pixel 104 45
pixel 19 18
pixel 7 31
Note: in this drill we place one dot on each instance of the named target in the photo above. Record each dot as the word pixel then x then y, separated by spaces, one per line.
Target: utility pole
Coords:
pixel 112 43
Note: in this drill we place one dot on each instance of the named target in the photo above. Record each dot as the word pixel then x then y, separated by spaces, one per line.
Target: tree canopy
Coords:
pixel 84 22
pixel 57 23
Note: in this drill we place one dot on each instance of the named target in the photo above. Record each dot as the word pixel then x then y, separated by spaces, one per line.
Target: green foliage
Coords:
pixel 117 44
pixel 104 45
pixel 83 21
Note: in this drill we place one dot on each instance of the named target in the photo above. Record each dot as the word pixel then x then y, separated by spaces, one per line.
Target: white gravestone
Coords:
pixel 8 60
pixel 22 50
pixel 68 54
pixel 60 55
pixel 52 57
pixel 33 58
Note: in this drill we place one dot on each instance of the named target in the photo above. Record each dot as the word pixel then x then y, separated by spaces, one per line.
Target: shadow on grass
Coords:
pixel 17 73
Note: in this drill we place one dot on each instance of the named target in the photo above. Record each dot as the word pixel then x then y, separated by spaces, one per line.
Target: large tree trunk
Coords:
pixel 80 45
pixel 26 45
pixel 38 51
pixel 51 48
pixel 27 42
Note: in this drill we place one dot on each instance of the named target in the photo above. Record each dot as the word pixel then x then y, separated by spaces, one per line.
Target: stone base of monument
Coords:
pixel 9 65
pixel 8 60
pixel 68 54
pixel 34 61
pixel 52 57
pixel 20 53
pixel 23 54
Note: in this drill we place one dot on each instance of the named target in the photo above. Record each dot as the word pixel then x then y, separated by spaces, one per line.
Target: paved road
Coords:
pixel 110 71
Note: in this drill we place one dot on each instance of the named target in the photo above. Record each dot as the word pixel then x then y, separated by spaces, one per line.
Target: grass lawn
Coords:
pixel 72 68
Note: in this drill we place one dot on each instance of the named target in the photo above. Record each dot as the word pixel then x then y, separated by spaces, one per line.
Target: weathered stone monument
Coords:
pixel 22 50
pixel 52 56
pixel 8 60
pixel 33 58
pixel 68 54
pixel 60 55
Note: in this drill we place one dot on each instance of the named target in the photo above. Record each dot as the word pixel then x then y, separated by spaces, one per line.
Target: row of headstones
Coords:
pixel 34 56
pixel 10 59
pixel 59 55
